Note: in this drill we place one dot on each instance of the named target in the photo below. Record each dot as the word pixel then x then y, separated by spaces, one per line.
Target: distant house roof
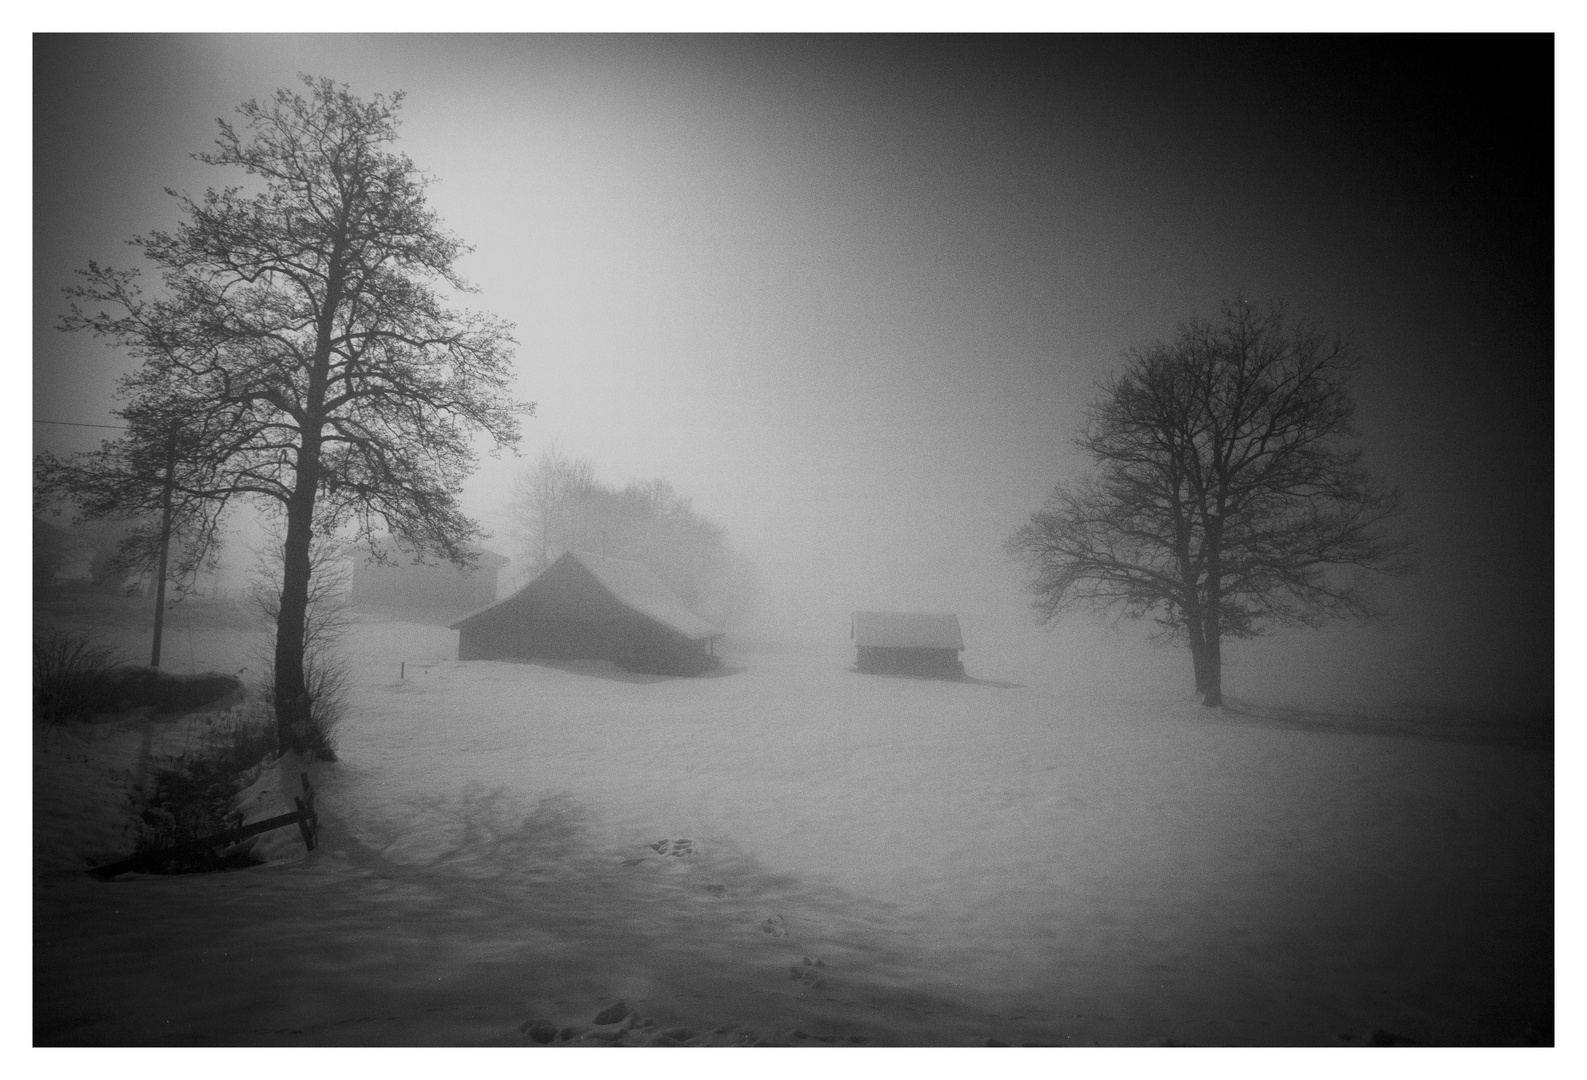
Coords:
pixel 907 630
pixel 635 586
pixel 399 555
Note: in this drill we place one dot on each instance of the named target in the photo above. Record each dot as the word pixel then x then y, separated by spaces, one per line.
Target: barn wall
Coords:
pixel 631 645
pixel 888 661
pixel 566 614
pixel 663 653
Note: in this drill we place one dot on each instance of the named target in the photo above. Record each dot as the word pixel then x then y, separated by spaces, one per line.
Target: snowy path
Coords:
pixel 968 861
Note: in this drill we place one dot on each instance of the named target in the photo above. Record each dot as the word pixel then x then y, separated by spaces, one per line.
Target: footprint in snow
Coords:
pixel 775 926
pixel 1388 1038
pixel 811 973
pixel 673 849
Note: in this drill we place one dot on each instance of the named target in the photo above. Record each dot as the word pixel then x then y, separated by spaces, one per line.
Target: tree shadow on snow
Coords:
pixel 514 898
pixel 1446 723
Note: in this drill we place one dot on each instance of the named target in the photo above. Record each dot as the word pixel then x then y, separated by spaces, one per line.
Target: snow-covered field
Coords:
pixel 1009 858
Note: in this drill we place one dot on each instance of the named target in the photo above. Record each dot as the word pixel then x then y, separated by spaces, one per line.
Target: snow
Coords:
pixel 1021 857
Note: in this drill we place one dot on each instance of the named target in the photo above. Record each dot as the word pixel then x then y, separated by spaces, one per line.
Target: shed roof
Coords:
pixel 907 630
pixel 632 584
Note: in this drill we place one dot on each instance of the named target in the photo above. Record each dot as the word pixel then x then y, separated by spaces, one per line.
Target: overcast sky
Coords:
pixel 852 294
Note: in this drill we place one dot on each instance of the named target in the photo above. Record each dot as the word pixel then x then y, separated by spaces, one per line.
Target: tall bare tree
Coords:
pixel 305 334
pixel 1226 498
pixel 543 502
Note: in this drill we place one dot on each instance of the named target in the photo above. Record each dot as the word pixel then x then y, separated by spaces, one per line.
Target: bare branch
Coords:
pixel 300 346
pixel 1226 497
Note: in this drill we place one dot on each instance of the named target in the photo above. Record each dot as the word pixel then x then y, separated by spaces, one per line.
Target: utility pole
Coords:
pixel 165 545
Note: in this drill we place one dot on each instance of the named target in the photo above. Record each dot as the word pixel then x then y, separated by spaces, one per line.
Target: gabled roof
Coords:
pixel 637 586
pixel 632 584
pixel 907 630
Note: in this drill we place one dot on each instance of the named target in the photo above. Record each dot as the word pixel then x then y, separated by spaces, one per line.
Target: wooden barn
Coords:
pixel 907 643
pixel 403 585
pixel 591 607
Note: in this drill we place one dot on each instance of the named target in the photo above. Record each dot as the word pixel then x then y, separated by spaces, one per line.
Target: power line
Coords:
pixel 70 424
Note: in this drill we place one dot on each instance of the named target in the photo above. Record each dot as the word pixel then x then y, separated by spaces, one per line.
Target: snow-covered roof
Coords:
pixel 638 587
pixel 632 584
pixel 907 630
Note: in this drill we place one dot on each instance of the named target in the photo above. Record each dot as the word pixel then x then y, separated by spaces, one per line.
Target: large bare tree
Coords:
pixel 304 342
pixel 1226 496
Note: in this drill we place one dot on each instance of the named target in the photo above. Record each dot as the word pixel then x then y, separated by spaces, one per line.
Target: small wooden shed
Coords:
pixel 592 607
pixel 907 643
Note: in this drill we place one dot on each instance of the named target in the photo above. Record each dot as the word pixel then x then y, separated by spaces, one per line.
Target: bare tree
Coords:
pixel 543 504
pixel 561 506
pixel 1225 499
pixel 304 339
pixel 141 487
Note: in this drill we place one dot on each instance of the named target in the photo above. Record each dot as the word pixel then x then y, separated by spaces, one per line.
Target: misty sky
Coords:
pixel 852 294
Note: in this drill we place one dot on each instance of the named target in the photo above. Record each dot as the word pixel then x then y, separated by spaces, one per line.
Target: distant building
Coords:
pixel 49 553
pixel 403 585
pixel 907 643
pixel 591 607
pixel 76 560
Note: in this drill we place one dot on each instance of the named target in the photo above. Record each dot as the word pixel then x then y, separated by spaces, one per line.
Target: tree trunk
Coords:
pixel 1213 690
pixel 1198 648
pixel 165 552
pixel 1212 651
pixel 1213 635
pixel 1198 663
pixel 291 686
pixel 293 704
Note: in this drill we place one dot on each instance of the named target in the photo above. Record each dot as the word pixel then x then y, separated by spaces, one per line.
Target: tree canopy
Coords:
pixel 1226 496
pixel 302 348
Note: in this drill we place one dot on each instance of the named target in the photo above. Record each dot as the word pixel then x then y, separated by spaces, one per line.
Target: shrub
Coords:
pixel 327 679
pixel 132 687
pixel 325 622
pixel 74 676
pixel 193 794
pixel 326 676
pixel 70 672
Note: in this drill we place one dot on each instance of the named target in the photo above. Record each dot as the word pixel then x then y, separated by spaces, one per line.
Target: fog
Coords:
pixel 852 295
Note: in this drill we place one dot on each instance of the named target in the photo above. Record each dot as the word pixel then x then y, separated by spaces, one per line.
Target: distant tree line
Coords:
pixel 560 506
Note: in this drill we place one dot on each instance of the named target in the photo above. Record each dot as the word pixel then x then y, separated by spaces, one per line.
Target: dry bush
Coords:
pixel 325 672
pixel 193 794
pixel 70 672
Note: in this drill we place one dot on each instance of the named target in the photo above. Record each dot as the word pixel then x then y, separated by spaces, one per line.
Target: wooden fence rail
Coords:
pixel 304 817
